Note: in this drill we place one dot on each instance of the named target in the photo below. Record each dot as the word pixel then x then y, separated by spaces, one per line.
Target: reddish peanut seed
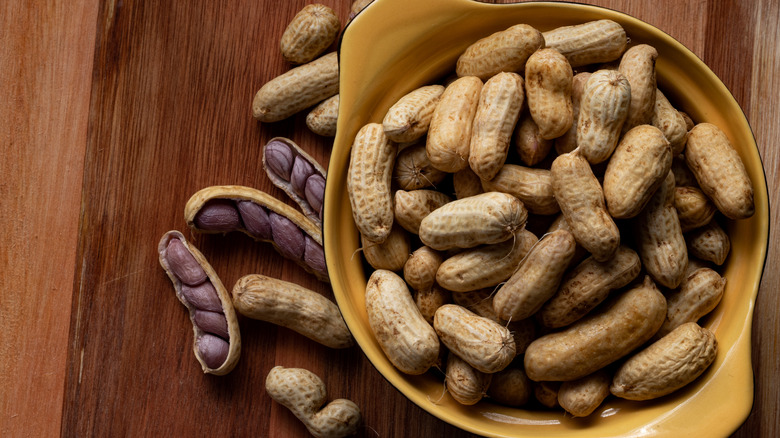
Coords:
pixel 287 236
pixel 255 219
pixel 211 322
pixel 315 191
pixel 301 172
pixel 183 264
pixel 218 215
pixel 202 296
pixel 213 349
pixel 279 158
pixel 314 256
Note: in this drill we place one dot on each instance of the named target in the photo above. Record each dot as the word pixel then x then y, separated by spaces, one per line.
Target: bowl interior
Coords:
pixel 393 47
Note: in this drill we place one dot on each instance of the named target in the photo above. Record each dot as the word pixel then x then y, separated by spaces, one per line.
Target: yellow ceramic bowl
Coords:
pixel 394 46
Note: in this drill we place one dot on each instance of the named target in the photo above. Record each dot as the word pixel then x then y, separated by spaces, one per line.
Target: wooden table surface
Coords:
pixel 114 112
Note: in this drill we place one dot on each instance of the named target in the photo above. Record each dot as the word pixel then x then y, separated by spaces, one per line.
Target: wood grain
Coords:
pixel 45 78
pixel 115 112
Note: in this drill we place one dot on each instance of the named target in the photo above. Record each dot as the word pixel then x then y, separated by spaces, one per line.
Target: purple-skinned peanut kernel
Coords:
pixel 301 172
pixel 314 256
pixel 202 296
pixel 218 215
pixel 211 322
pixel 315 190
pixel 183 264
pixel 255 219
pixel 213 350
pixel 279 159
pixel 287 236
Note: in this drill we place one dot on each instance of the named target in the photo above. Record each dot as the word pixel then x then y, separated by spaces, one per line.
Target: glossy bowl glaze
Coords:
pixel 394 46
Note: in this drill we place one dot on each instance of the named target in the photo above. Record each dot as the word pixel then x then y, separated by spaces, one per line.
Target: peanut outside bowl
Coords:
pixel 395 46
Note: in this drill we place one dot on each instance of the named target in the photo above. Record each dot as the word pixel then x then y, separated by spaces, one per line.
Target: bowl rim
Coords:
pixel 624 17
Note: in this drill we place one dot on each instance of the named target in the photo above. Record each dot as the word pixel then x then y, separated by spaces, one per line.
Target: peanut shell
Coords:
pixel 297 89
pixel 369 180
pixel 666 365
pixel 504 51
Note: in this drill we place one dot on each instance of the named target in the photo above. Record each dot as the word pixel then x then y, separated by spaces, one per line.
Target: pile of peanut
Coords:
pixel 295 235
pixel 546 238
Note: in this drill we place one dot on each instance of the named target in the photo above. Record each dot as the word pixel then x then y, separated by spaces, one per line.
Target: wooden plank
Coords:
pixel 147 102
pixel 45 74
pixel 763 113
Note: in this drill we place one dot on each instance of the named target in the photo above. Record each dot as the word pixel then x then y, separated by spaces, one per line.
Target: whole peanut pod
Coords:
pixel 510 387
pixel 587 285
pixel 481 303
pixel 529 144
pixel 694 208
pixel 322 119
pixel 698 295
pixel 582 396
pixel 217 340
pixel 292 306
pixel 449 133
pixel 390 254
pixel 670 122
pixel 304 394
pixel 482 343
pixel 504 51
pixel 408 119
pixel 599 339
pixel 368 182
pixel 581 199
pixel 637 168
pixel 709 242
pixel 413 170
pixel 411 207
pixel 530 185
pixel 465 384
pixel 313 29
pixel 603 110
pixel 660 242
pixel 490 217
pixel 297 173
pixel 568 141
pixel 667 365
pixel 420 268
pixel 537 278
pixel 548 81
pixel 638 66
pixel 588 43
pixel 408 341
pixel 497 113
pixel 719 171
pixel 297 89
pixel 262 217
pixel 485 265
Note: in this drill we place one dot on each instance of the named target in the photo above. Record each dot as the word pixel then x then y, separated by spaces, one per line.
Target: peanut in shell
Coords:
pixel 667 365
pixel 593 42
pixel 637 168
pixel 581 199
pixel 504 51
pixel 548 83
pixel 369 180
pixel 497 113
pixel 719 171
pixel 449 133
pixel 297 89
